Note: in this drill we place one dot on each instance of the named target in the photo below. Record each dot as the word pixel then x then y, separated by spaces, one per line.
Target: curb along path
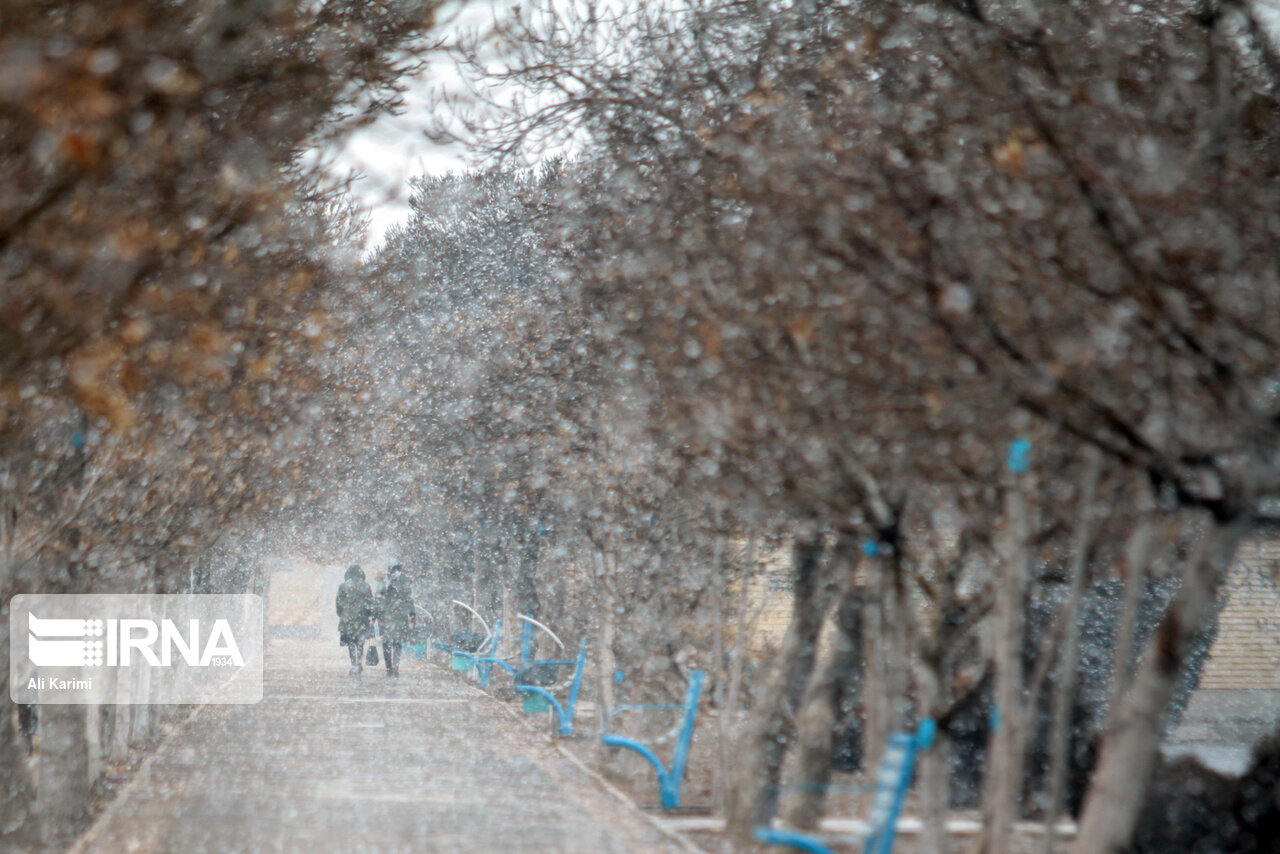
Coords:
pixel 329 763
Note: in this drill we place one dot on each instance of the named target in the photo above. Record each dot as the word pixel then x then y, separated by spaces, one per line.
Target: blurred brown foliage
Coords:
pixel 164 243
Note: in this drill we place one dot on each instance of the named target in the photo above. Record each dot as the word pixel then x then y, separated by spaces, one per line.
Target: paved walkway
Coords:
pixel 327 763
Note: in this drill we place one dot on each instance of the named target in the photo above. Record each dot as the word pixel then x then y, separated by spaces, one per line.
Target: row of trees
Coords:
pixel 816 269
pixel 529 435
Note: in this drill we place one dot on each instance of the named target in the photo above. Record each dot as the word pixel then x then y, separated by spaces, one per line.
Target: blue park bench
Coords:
pixel 896 770
pixel 529 671
pixel 669 779
pixel 526 649
pixel 534 678
pixel 536 683
pixel 483 664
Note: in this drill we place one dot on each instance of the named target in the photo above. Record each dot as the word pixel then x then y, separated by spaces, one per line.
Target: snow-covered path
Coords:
pixel 326 763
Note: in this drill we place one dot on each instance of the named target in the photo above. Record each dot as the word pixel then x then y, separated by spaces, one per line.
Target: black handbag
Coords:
pixel 371 657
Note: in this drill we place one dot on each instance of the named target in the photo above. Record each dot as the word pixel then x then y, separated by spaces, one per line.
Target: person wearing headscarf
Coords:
pixel 396 615
pixel 355 616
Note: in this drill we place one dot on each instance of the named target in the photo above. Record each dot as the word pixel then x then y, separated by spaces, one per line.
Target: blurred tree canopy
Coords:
pixel 168 277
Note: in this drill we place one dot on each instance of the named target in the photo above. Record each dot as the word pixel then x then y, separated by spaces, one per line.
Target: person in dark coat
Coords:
pixel 355 615
pixel 396 615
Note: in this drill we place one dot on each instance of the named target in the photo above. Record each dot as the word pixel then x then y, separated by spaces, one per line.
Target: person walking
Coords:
pixel 396 615
pixel 355 616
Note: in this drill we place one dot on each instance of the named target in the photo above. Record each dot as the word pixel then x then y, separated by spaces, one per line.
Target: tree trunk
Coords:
pixel 934 773
pixel 1003 784
pixel 1137 557
pixel 821 712
pixel 15 782
pixel 512 627
pixel 94 726
pixel 899 625
pixel 1063 697
pixel 875 687
pixel 526 585
pixel 729 714
pixel 719 618
pixel 63 792
pixel 606 663
pixel 771 728
pixel 140 711
pixel 1133 738
pixel 122 725
pixel 476 587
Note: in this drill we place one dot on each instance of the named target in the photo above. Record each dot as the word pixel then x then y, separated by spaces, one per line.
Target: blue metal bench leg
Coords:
pixel 686 733
pixel 790 838
pixel 669 780
pixel 668 793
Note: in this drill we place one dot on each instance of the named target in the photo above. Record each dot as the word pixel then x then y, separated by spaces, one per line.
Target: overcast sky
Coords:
pixel 395 149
